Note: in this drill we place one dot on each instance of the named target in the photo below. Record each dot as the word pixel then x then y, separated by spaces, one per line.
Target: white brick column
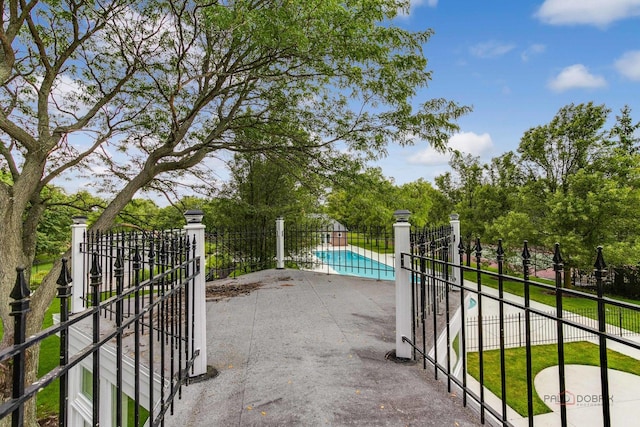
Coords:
pixel 403 284
pixel 280 243
pixel 197 296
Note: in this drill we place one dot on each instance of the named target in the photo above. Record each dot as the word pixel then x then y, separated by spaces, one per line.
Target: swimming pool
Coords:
pixel 353 264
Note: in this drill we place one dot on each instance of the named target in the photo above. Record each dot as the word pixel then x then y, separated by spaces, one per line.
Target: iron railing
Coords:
pixel 456 338
pixel 326 247
pixel 137 320
pixel 620 322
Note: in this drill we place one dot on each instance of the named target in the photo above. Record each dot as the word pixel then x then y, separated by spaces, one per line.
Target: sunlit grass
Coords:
pixel 379 244
pixel 542 356
pixel 582 306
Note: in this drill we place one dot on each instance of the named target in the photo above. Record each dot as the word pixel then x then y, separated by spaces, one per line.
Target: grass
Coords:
pixel 582 306
pixel 380 244
pixel 49 397
pixel 542 356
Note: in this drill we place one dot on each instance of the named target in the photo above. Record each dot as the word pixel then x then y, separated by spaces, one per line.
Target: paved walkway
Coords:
pixel 584 406
pixel 582 383
pixel 308 349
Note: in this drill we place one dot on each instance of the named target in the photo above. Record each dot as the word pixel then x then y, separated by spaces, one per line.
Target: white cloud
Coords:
pixel 534 49
pixel 587 12
pixel 491 49
pixel 417 3
pixel 465 142
pixel 576 76
pixel 413 4
pixel 629 65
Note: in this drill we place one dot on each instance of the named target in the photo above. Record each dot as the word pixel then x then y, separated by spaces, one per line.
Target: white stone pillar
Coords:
pixel 197 296
pixel 78 274
pixel 403 283
pixel 454 220
pixel 280 243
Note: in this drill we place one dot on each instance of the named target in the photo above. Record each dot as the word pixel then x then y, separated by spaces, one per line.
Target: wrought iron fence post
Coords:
pixel 137 266
pixel 478 253
pixel 558 267
pixel 402 245
pixel 280 243
pixel 526 261
pixel 503 370
pixel 196 228
pixel 96 284
pixel 19 309
pixel 64 292
pixel 434 308
pixel 119 276
pixel 462 342
pixel 600 271
pixel 78 232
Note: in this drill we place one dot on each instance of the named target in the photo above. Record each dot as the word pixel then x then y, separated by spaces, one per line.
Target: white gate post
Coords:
pixel 195 228
pixel 401 244
pixel 454 220
pixel 280 243
pixel 78 230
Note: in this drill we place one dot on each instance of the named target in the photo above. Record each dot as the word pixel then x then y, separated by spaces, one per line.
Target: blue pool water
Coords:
pixel 350 263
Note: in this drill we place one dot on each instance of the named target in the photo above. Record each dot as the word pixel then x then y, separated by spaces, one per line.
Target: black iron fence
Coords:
pixel 623 281
pixel 619 321
pixel 136 333
pixel 464 350
pixel 236 251
pixel 322 246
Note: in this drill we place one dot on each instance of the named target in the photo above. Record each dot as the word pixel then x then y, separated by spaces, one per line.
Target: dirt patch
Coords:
pixel 220 292
pixel 50 421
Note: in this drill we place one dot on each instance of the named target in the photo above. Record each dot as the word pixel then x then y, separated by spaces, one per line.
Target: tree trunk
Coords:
pixel 567 277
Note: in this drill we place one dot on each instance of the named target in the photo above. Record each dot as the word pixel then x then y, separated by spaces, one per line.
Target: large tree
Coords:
pixel 580 185
pixel 463 187
pixel 262 189
pixel 573 140
pixel 147 91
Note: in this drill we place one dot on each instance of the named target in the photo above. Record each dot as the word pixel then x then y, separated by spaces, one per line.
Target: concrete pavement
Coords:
pixel 308 349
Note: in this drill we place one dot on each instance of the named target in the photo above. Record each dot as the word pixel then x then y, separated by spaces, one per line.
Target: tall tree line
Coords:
pixel 571 181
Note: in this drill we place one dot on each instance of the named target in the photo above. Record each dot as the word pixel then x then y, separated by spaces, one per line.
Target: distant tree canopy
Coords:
pixel 370 199
pixel 571 181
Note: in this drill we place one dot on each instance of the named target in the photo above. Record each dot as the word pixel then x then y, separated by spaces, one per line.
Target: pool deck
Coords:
pixel 309 349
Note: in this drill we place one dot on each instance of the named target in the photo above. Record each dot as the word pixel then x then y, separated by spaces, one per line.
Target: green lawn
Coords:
pixel 543 356
pixel 582 306
pixel 48 397
pixel 379 244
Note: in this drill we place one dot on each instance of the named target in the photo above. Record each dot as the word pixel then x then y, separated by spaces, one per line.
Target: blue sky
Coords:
pixel 517 63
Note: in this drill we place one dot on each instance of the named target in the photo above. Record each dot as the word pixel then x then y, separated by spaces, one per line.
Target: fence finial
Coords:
pixel 152 253
pixel 526 255
pixel 500 251
pixel 600 265
pixel 96 270
pixel 136 259
pixel 20 289
pixel 477 248
pixel 65 275
pixel 557 258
